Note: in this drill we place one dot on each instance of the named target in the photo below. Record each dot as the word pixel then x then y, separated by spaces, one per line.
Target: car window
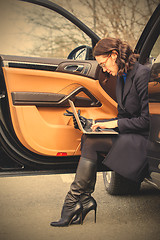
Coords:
pixel 124 19
pixel 31 30
pixel 156 49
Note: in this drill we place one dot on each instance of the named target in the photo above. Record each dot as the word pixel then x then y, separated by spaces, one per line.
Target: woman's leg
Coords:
pixel 85 178
pixel 92 144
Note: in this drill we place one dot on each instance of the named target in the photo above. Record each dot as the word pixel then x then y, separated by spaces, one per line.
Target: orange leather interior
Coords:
pixel 45 130
pixel 153 89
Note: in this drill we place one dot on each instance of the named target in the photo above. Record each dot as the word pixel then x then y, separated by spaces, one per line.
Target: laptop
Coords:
pixel 89 131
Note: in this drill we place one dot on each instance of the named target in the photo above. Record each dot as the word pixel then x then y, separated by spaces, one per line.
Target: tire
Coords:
pixel 115 184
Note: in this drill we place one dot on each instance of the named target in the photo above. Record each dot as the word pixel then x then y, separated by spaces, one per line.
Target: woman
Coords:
pixel 127 156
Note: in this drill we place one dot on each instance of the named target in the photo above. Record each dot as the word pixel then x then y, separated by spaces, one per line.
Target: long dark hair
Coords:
pixel 125 56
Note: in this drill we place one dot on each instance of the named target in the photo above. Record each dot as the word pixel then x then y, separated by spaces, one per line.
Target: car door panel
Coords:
pixel 37 113
pixel 85 67
pixel 154 97
pixel 154 109
pixel 154 100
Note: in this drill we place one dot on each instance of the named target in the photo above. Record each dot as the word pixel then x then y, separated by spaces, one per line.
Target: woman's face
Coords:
pixel 108 63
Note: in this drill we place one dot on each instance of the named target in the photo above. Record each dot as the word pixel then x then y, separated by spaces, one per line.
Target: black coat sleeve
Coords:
pixel 140 122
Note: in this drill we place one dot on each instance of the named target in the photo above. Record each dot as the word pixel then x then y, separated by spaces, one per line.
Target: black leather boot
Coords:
pixel 71 209
pixel 79 195
pixel 87 174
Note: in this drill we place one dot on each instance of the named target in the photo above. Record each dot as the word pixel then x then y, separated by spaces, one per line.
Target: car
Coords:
pixel 35 134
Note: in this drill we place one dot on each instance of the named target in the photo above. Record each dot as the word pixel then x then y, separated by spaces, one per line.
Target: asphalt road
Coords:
pixel 29 203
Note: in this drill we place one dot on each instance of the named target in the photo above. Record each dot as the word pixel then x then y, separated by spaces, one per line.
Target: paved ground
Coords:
pixel 29 203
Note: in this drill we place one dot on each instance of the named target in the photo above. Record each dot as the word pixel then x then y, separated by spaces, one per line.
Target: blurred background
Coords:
pixel 30 30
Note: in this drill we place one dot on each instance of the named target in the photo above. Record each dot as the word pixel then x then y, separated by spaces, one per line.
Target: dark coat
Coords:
pixel 128 153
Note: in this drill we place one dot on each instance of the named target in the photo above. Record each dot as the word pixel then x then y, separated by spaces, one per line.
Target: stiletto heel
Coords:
pixel 92 205
pixel 78 201
pixel 68 214
pixel 89 204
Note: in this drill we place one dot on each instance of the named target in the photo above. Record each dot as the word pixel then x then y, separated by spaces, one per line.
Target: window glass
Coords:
pixel 31 30
pixel 156 49
pixel 124 19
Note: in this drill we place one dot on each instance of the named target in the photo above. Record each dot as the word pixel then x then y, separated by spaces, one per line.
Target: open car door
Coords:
pixel 150 50
pixel 34 131
pixel 154 138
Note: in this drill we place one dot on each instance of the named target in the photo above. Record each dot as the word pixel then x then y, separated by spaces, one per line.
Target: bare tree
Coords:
pixel 51 35
pixel 123 18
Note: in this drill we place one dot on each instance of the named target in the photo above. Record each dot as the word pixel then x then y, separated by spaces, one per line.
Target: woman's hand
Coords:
pixel 103 125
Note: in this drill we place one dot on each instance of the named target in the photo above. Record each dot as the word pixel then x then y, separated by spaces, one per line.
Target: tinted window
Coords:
pixel 125 19
pixel 156 49
pixel 31 30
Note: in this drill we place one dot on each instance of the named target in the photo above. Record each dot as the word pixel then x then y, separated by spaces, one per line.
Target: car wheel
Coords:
pixel 115 184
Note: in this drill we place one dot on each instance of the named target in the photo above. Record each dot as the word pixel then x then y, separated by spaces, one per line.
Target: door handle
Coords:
pixel 74 68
